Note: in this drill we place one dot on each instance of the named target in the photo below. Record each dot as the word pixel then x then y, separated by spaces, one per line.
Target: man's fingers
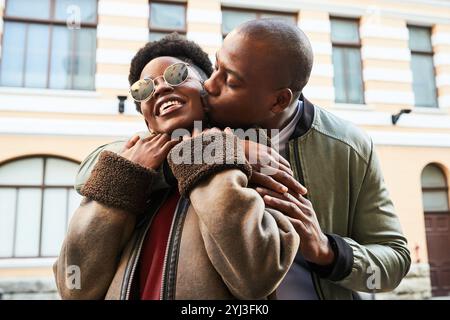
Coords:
pixel 288 208
pixel 264 191
pixel 290 182
pixel 285 196
pixel 228 130
pixel 299 226
pixel 268 182
pixel 278 157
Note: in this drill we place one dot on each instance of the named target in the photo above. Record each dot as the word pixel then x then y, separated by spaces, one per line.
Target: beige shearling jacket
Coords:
pixel 223 243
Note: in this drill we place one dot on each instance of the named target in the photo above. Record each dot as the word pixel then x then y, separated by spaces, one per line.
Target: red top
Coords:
pixel 151 261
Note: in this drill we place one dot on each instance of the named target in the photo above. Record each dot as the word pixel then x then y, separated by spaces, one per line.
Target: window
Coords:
pixel 41 51
pixel 232 17
pixel 434 190
pixel 37 199
pixel 422 66
pixel 165 18
pixel 348 83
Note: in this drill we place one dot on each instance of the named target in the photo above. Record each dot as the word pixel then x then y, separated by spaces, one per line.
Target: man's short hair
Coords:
pixel 288 43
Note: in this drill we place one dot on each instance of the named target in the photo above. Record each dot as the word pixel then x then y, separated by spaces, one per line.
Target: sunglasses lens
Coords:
pixel 176 74
pixel 142 89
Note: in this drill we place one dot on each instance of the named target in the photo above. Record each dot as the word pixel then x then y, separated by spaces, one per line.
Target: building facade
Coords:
pixel 64 64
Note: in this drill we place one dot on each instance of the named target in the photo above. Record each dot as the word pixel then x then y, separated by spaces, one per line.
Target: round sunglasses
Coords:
pixel 174 75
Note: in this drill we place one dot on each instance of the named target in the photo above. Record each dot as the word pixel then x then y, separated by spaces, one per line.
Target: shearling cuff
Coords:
pixel 196 159
pixel 119 183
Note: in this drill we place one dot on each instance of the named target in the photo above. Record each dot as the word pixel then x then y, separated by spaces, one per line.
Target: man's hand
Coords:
pixel 314 244
pixel 149 152
pixel 263 160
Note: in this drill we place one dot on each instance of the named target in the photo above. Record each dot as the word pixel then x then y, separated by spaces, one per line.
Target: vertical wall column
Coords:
pixel 386 61
pixel 441 48
pixel 204 22
pixel 316 25
pixel 122 30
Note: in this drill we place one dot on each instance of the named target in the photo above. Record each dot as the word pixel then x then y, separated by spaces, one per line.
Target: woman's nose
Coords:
pixel 212 86
pixel 161 87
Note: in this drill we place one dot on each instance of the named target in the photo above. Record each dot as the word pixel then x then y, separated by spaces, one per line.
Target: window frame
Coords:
pixel 350 45
pixel 167 30
pixel 42 188
pixel 51 23
pixel 258 12
pixel 444 188
pixel 429 54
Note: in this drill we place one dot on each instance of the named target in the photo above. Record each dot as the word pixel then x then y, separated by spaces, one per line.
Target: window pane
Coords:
pixel 7 212
pixel 354 75
pixel 423 80
pixel 61 58
pixel 435 201
pixel 155 36
pixel 54 221
pixel 28 222
pixel 284 17
pixel 87 9
pixel 339 74
pixel 60 172
pixel 167 16
pixel 84 64
pixel 13 54
pixel 232 19
pixel 36 67
pixel 28 8
pixel 22 172
pixel 344 31
pixel 433 177
pixel 420 39
pixel 74 202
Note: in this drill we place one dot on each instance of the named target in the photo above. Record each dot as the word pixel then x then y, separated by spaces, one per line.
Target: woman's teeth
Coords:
pixel 166 105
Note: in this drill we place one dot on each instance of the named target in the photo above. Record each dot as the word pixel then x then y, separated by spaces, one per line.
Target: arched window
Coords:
pixel 434 190
pixel 37 199
pixel 437 227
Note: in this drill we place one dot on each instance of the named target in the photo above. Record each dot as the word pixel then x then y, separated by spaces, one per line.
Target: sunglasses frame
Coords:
pixel 154 84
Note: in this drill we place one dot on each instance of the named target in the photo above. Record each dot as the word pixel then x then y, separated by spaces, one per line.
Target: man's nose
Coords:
pixel 212 86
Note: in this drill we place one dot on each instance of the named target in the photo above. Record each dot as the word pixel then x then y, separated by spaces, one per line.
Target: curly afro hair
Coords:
pixel 172 45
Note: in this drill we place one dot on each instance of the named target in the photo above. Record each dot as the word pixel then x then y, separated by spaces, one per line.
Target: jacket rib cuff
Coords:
pixel 343 260
pixel 194 160
pixel 119 183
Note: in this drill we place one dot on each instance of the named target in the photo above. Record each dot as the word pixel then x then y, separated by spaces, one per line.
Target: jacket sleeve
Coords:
pixel 163 179
pixel 375 258
pixel 250 246
pixel 101 227
pixel 91 250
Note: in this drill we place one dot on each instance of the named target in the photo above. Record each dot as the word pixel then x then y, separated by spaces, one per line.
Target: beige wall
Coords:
pixel 402 168
pixel 402 165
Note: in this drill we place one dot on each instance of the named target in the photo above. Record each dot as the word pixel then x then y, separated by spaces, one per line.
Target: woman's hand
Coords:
pixel 149 152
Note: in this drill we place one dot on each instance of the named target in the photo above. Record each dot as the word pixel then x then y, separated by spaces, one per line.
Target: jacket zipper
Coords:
pixel 299 173
pixel 166 255
pixel 138 250
pixel 135 262
pixel 172 250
